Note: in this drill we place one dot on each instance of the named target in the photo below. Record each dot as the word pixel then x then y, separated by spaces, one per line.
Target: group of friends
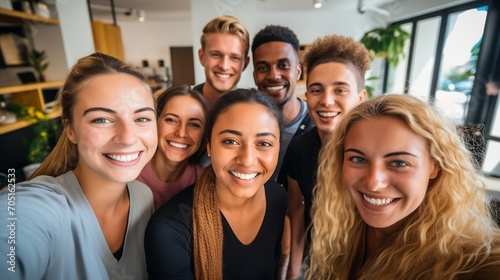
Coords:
pixel 220 182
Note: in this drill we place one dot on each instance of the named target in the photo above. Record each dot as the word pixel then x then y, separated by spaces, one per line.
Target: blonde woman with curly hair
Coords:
pixel 397 197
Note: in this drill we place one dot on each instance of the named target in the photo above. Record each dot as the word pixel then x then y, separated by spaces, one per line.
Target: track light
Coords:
pixel 141 15
pixel 317 4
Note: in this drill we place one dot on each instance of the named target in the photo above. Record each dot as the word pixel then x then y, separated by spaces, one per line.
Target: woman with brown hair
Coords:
pixel 229 224
pixel 83 213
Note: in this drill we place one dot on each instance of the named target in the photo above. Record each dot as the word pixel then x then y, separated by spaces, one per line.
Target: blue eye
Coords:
pixel 357 159
pixel 100 120
pixel 399 163
pixel 143 120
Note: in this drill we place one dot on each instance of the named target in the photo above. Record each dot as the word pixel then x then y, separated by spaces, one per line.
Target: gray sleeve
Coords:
pixel 34 232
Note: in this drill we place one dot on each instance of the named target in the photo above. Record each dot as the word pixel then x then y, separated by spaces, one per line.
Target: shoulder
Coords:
pixel 199 88
pixel 178 208
pixel 275 192
pixel 306 139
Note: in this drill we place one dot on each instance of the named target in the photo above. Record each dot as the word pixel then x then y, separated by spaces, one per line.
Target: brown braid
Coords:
pixel 207 228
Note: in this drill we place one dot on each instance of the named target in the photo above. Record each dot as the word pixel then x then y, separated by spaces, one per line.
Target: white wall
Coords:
pixel 152 40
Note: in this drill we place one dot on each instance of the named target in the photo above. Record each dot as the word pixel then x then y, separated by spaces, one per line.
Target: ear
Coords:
pixel 362 95
pixel 70 133
pixel 208 149
pixel 247 60
pixel 200 57
pixel 299 71
pixel 435 171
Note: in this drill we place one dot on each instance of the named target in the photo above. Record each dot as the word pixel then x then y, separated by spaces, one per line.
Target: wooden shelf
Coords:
pixel 28 95
pixel 18 17
pixel 28 87
pixel 5 128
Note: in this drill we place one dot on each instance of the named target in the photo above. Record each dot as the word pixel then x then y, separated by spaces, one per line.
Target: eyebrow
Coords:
pixel 261 134
pixel 279 60
pixel 107 110
pixel 175 115
pixel 398 153
pixel 335 84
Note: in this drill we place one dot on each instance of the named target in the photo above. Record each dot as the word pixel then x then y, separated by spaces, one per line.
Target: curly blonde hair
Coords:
pixel 450 233
pixel 341 49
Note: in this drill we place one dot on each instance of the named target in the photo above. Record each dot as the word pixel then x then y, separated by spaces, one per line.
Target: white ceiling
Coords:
pixel 171 9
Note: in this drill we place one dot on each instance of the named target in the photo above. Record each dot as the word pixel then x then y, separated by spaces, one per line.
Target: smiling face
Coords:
pixel 180 128
pixel 276 70
pixel 113 124
pixel 244 149
pixel 331 92
pixel 387 168
pixel 224 60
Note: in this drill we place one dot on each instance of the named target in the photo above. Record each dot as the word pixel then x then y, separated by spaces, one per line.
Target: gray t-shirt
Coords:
pixel 57 235
pixel 287 133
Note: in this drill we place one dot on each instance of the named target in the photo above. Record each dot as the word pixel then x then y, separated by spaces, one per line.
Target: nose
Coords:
pixel 274 74
pixel 224 63
pixel 125 134
pixel 376 177
pixel 328 98
pixel 246 155
pixel 180 130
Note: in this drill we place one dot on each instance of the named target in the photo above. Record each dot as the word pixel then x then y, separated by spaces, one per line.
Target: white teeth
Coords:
pixel 123 158
pixel 275 88
pixel 178 145
pixel 328 114
pixel 243 176
pixel 378 201
pixel 224 76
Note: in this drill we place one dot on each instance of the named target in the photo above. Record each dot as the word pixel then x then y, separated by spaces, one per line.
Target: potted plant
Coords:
pixel 46 131
pixel 386 42
pixel 38 61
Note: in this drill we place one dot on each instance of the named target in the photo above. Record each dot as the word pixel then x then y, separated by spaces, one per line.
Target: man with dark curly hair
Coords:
pixel 336 67
pixel 276 71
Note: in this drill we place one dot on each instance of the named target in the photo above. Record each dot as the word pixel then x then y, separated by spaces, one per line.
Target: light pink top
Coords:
pixel 163 191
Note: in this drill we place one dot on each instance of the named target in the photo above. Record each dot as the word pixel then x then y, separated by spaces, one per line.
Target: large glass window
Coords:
pixel 424 56
pixel 458 63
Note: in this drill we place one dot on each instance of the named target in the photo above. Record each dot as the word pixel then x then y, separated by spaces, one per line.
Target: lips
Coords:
pixel 325 114
pixel 223 76
pixel 243 176
pixel 378 201
pixel 177 145
pixel 123 158
pixel 275 88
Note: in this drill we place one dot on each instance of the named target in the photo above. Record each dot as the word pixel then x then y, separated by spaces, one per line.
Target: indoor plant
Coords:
pixel 387 42
pixel 38 61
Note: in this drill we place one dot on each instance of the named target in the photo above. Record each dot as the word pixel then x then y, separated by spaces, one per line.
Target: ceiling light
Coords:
pixel 317 3
pixel 141 15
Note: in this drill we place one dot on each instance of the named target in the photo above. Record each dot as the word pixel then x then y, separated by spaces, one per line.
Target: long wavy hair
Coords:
pixel 450 233
pixel 64 156
pixel 207 224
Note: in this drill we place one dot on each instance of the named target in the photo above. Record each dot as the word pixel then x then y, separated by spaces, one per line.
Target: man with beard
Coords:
pixel 276 71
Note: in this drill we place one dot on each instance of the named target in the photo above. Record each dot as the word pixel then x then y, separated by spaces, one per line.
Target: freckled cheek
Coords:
pixel 91 140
